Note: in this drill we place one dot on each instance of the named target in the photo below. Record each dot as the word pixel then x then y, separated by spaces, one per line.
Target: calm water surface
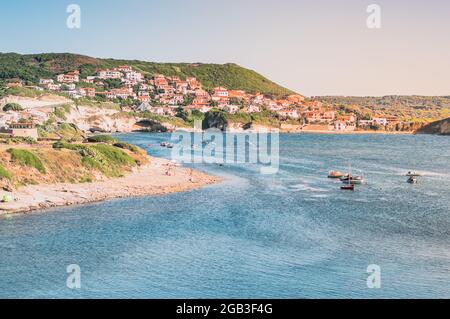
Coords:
pixel 290 235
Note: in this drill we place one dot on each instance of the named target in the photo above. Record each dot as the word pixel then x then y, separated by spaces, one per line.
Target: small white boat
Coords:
pixel 413 174
pixel 353 180
pixel 169 145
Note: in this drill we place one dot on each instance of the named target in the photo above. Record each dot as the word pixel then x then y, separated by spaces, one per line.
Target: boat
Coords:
pixel 169 145
pixel 163 144
pixel 335 174
pixel 412 180
pixel 353 180
pixel 348 187
pixel 412 177
pixel 413 174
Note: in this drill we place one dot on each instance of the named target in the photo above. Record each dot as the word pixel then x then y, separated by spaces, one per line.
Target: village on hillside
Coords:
pixel 165 95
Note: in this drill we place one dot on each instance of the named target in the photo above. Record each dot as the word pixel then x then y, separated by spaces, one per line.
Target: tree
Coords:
pixel 12 107
pixel 215 118
pixel 112 83
pixel 188 99
pixel 182 114
pixel 3 90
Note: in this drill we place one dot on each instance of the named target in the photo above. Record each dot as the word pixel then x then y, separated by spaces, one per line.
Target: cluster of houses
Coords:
pixel 163 95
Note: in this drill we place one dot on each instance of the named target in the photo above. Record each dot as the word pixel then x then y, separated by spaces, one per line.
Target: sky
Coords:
pixel 314 47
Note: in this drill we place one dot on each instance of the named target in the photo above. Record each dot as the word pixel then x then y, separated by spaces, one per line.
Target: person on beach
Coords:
pixel 191 177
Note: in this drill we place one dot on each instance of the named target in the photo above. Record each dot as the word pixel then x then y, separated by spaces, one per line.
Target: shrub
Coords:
pixel 17 140
pixel 106 158
pixel 27 158
pixel 4 173
pixel 12 107
pixel 215 119
pixel 115 155
pixel 127 146
pixel 108 139
pixel 67 108
pixel 60 113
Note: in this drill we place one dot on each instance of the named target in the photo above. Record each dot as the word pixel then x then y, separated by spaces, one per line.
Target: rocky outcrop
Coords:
pixel 441 127
pixel 94 119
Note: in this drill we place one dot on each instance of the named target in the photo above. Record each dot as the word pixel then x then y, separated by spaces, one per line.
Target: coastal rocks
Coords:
pixel 441 127
pixel 150 126
pixel 96 119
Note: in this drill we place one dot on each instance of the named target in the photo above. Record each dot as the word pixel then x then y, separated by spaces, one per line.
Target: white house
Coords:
pixel 109 74
pixel 380 121
pixel 253 109
pixel 145 106
pixel 134 76
pixel 232 109
pixel 292 113
pixel 340 126
pixel 54 87
pixel 45 81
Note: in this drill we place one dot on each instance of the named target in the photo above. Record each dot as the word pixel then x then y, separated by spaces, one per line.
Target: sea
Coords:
pixel 292 233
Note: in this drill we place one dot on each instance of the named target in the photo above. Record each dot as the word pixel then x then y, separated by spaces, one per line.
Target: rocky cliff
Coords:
pixel 441 127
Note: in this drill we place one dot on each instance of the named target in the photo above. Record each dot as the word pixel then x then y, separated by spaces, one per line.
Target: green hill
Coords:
pixel 34 66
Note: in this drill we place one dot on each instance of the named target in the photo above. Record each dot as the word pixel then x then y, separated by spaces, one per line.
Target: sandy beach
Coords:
pixel 151 179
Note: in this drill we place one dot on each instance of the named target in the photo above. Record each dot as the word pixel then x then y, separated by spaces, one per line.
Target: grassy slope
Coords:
pixel 232 76
pixel 72 163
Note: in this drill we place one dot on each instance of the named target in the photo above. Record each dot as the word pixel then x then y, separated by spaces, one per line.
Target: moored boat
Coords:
pixel 348 187
pixel 335 174
pixel 412 180
pixel 352 180
pixel 413 174
pixel 412 177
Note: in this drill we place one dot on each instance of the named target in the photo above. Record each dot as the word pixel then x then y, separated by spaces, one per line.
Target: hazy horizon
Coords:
pixel 315 48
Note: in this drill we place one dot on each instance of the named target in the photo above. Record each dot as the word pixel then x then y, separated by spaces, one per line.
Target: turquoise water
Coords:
pixel 290 235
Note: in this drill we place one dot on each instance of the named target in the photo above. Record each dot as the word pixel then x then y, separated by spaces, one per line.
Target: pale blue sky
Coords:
pixel 315 47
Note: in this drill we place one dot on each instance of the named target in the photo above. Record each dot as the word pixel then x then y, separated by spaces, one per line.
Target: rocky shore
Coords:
pixel 157 178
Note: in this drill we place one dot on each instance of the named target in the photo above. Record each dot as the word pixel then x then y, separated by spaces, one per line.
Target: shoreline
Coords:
pixel 354 132
pixel 148 180
pixel 328 132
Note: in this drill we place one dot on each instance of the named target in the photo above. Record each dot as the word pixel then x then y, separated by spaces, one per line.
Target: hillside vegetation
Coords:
pixel 32 67
pixel 411 108
pixel 67 162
